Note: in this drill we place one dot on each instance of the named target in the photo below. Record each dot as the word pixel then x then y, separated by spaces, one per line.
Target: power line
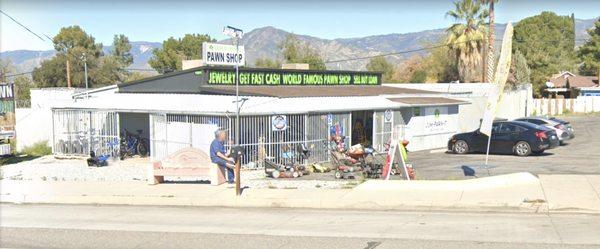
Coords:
pixel 396 53
pixel 17 74
pixel 25 27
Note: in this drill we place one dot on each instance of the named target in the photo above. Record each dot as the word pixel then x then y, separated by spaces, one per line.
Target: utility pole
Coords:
pixel 68 73
pixel 84 59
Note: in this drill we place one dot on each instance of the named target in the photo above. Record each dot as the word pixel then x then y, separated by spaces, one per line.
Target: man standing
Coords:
pixel 220 157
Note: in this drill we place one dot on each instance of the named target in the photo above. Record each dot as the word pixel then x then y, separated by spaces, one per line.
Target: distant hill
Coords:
pixel 27 60
pixel 262 43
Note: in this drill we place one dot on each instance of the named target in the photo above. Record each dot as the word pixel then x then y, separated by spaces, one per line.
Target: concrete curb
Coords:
pixel 521 192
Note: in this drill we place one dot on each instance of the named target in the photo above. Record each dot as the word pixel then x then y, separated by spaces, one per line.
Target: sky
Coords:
pixel 155 21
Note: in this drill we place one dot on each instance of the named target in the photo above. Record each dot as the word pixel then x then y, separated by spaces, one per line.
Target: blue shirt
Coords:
pixel 216 146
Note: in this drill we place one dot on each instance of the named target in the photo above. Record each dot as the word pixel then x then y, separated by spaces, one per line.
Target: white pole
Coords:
pixel 487 154
pixel 237 93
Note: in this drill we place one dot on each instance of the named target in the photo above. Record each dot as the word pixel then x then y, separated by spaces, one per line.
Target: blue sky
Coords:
pixel 153 20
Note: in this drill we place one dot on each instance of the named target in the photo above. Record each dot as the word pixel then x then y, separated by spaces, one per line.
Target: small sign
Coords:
pixel 6 91
pixel 388 116
pixel 330 119
pixel 224 55
pixel 279 122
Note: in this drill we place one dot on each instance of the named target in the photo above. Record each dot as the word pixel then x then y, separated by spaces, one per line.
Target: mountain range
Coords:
pixel 263 43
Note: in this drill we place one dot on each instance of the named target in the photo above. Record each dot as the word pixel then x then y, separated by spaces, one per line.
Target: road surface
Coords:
pixel 77 226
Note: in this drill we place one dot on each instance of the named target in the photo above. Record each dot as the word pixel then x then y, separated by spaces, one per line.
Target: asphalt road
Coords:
pixel 579 156
pixel 79 226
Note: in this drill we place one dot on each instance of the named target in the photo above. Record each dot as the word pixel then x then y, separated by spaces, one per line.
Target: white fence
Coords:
pixel 582 104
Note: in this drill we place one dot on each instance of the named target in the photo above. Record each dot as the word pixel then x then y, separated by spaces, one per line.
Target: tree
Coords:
pixel 122 50
pixel 51 73
pixel 404 72
pixel 466 37
pixel 489 73
pixel 295 51
pixel 168 58
pixel 23 85
pixel 72 44
pixel 266 63
pixel 547 42
pixel 380 64
pixel 419 76
pixel 112 68
pixel 520 70
pixel 441 63
pixel 589 53
pixel 6 68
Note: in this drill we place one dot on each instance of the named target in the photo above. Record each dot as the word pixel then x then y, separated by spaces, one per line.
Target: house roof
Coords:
pixel 569 80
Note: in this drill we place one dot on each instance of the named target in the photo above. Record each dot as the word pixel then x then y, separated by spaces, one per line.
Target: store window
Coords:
pixel 416 111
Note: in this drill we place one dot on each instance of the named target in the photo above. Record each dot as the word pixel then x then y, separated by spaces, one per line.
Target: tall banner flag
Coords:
pixel 497 89
pixel 500 78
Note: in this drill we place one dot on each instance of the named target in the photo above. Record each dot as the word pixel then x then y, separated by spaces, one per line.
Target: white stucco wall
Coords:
pixel 35 124
pixel 514 103
pixel 432 128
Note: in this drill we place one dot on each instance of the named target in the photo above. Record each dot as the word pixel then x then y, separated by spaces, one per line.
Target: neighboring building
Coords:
pixel 280 109
pixel 569 85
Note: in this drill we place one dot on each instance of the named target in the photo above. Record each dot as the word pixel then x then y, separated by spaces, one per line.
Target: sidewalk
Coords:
pixel 521 192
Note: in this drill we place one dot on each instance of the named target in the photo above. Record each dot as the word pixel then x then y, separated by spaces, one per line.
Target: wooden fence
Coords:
pixel 581 104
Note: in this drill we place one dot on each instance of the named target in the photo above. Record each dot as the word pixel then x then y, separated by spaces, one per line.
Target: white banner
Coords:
pixel 224 55
pixel 499 81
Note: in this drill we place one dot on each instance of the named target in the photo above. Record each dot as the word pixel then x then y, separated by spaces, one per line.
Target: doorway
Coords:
pixel 362 128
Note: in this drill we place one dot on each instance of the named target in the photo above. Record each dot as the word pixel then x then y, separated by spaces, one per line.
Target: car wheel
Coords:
pixel 461 147
pixel 522 148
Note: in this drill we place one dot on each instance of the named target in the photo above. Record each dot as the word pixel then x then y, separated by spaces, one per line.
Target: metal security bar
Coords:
pixel 78 132
pixel 388 125
pixel 258 137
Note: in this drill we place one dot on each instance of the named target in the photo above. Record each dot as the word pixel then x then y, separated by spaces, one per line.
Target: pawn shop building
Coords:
pixel 279 109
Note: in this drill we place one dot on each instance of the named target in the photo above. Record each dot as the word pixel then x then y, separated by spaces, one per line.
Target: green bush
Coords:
pixel 37 149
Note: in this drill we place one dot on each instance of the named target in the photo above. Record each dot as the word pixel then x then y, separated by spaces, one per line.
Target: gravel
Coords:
pixel 48 168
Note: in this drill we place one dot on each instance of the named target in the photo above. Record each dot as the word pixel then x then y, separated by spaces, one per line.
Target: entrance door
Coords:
pixel 362 127
pixel 388 125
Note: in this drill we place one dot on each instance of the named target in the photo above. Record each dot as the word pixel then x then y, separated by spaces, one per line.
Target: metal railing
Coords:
pixel 77 132
pixel 170 132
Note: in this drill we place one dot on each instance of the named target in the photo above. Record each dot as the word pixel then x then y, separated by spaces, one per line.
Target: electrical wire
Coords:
pixel 25 27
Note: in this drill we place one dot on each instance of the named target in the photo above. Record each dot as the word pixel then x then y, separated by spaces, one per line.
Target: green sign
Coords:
pixel 283 77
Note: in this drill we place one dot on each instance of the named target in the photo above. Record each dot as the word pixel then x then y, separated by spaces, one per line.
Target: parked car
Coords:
pixel 566 124
pixel 563 132
pixel 508 137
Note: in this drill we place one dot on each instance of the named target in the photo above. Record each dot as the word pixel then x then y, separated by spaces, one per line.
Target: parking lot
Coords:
pixel 580 155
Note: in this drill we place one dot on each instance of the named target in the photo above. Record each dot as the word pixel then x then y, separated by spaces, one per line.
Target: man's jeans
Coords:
pixel 223 164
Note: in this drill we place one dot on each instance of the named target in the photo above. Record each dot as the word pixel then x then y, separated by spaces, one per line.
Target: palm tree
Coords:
pixel 466 37
pixel 490 53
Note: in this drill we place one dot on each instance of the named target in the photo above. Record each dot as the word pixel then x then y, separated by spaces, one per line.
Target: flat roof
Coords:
pixel 311 91
pixel 428 101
